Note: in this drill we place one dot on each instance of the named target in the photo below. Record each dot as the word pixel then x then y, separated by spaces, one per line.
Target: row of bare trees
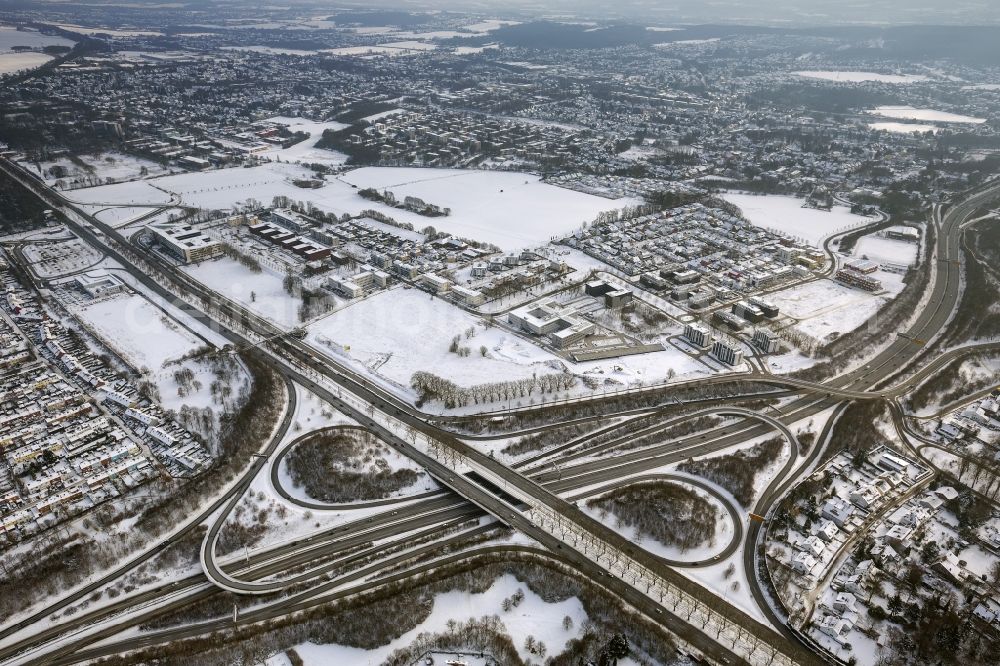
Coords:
pixel 432 387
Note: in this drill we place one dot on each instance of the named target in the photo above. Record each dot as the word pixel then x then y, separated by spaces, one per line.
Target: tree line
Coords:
pixel 432 387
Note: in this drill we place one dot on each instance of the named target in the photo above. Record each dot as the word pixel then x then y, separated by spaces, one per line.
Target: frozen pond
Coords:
pixel 861 77
pixel 926 115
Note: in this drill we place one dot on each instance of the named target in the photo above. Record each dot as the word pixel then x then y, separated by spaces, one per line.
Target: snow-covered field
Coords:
pixel 826 307
pixel 510 210
pixel 469 50
pixel 398 332
pixel 114 165
pixel 904 128
pixel 11 37
pixel 532 617
pixel 861 77
pixel 786 214
pixel 306 151
pixel 18 62
pixel 85 30
pixel 887 250
pixel 366 51
pixel 263 292
pixel 120 215
pixel 137 330
pixel 270 50
pixel 403 331
pixel 135 192
pixel 926 115
pixel 489 25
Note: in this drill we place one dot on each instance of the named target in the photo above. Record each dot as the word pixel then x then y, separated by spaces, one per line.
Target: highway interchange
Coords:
pixel 533 498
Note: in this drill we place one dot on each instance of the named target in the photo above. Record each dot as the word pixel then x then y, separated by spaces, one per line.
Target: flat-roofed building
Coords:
pixel 437 283
pixel 289 219
pixel 766 341
pixel 345 287
pixel 549 318
pixel 103 285
pixel 468 296
pixel 186 243
pixel 617 298
pixel 697 335
pixel 568 336
pixel 747 311
pixel 598 288
pixel 727 352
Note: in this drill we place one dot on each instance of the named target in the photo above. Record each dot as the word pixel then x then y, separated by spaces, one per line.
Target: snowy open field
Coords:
pixel 111 32
pixel 904 128
pixel 263 292
pixel 926 115
pixel 399 332
pixel 18 62
pixel 403 331
pixel 11 37
pixel 886 250
pixel 861 77
pixel 270 50
pixel 139 192
pixel 826 307
pixel 306 151
pixel 512 210
pixel 786 214
pixel 96 169
pixel 137 330
pixel 532 617
pixel 121 215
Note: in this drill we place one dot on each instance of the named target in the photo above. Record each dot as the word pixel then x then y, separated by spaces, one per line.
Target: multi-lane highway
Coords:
pixel 504 491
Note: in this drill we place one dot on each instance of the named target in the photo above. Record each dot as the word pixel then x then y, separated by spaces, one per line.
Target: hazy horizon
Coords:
pixel 779 12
